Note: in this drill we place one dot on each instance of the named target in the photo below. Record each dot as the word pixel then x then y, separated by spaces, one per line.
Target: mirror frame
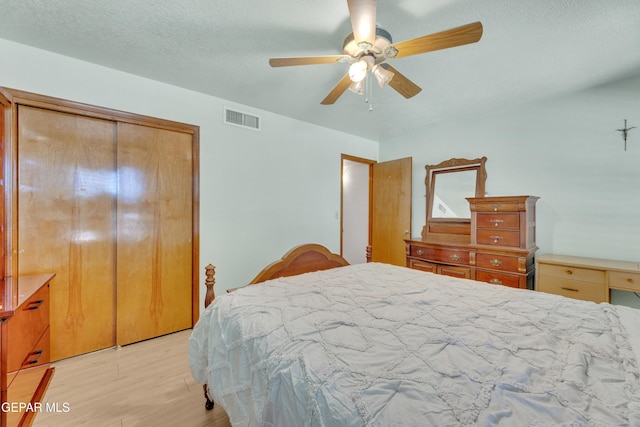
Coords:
pixel 451 230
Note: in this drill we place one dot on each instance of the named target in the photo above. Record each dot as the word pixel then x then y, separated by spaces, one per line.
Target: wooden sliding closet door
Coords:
pixel 154 232
pixel 66 222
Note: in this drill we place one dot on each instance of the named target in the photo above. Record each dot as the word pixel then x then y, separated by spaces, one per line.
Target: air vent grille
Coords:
pixel 238 118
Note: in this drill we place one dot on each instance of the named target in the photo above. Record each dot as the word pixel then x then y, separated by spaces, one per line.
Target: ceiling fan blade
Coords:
pixel 401 84
pixel 307 60
pixel 363 20
pixel 453 37
pixel 337 91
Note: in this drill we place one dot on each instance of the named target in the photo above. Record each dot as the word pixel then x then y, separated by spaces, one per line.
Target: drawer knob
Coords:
pixel 569 289
pixel 496 222
pixel 569 272
pixel 495 208
pixel 420 252
pixel 495 281
pixel 495 262
pixel 496 239
pixel 455 257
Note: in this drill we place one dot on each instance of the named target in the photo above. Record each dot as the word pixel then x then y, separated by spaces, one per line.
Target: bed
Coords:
pixel 381 345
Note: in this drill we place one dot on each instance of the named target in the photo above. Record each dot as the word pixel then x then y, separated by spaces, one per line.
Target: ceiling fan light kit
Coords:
pixel 358 87
pixel 382 75
pixel 358 70
pixel 368 47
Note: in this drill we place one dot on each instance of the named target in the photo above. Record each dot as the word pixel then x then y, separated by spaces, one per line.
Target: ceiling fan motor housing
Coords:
pixel 382 43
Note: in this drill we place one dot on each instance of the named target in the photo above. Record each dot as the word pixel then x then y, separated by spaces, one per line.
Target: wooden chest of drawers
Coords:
pixel 504 222
pixel 25 349
pixel 501 249
pixel 589 279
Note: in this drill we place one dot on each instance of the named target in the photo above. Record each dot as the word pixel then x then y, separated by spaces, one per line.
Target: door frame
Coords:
pixel 362 160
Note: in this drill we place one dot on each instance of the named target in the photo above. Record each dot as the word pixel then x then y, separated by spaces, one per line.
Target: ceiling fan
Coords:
pixel 368 47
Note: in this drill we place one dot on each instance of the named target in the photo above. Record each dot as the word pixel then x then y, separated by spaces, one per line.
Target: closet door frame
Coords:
pixel 13 98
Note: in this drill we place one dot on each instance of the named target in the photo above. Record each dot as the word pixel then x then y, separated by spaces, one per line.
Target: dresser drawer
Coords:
pixel 498 262
pixel 498 221
pixel 27 327
pixel 572 273
pixel 452 256
pixel 624 281
pixel 588 291
pixel 496 278
pixel 454 271
pixel 498 238
pixel 422 265
pixel 22 388
pixel 39 355
pixel 497 206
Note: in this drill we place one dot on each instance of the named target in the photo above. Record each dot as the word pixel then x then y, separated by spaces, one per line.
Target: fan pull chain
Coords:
pixel 369 91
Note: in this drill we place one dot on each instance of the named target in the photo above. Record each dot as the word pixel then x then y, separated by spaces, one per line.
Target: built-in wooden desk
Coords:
pixel 583 278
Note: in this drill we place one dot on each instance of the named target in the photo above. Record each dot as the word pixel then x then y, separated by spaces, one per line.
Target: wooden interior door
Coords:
pixel 154 232
pixel 66 223
pixel 391 215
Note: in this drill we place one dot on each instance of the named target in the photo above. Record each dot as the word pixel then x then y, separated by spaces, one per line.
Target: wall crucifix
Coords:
pixel 625 132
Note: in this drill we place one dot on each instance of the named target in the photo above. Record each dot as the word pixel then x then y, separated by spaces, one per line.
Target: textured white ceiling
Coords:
pixel 529 49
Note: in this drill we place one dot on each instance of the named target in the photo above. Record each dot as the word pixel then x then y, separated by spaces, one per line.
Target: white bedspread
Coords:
pixel 373 344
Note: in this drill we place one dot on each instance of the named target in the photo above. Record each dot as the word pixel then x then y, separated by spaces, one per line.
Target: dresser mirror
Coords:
pixel 448 185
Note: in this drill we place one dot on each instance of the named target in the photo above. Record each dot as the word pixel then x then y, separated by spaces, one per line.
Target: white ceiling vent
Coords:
pixel 238 118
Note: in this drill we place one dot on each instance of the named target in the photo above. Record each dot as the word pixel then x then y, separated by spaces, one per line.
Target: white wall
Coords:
pixel 565 150
pixel 261 193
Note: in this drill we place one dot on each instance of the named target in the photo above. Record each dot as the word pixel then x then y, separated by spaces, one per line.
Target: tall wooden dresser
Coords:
pixel 501 245
pixel 24 334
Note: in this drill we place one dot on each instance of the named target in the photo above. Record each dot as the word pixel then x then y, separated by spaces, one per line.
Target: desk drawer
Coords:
pixel 573 273
pixel 624 281
pixel 27 327
pixel 588 291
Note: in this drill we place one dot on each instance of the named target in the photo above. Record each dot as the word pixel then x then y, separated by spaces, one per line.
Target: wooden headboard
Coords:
pixel 301 259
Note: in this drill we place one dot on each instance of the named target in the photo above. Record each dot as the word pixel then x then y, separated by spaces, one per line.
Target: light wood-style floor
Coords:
pixel 142 384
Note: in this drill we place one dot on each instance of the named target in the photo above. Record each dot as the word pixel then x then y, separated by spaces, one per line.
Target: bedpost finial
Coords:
pixel 209 281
